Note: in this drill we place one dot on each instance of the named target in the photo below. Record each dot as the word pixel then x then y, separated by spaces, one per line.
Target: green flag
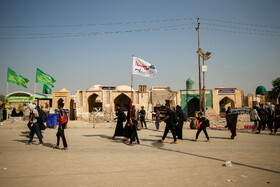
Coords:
pixel 13 77
pixel 46 90
pixel 44 78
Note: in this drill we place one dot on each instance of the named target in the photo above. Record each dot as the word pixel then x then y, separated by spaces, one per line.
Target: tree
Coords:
pixel 276 85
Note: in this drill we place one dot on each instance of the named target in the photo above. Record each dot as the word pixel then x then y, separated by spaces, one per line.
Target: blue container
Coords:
pixel 51 120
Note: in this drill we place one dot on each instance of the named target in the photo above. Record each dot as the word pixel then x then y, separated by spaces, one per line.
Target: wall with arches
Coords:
pixel 225 97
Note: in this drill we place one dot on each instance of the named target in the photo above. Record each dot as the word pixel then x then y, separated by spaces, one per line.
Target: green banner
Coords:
pixel 13 77
pixel 46 90
pixel 44 78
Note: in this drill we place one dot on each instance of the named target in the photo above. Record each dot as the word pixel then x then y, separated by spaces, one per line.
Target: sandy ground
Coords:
pixel 95 160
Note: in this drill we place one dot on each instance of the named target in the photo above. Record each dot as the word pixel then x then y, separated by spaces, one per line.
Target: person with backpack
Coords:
pixel 170 120
pixel 202 121
pixel 181 118
pixel 34 124
pixel 121 117
pixel 63 120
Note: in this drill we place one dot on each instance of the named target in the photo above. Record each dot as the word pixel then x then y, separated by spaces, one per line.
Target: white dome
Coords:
pixel 95 88
pixel 124 88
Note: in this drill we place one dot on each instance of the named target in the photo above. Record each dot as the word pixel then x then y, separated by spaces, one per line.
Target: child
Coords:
pixel 202 126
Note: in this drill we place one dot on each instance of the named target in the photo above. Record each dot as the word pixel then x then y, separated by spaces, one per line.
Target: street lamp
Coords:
pixel 205 56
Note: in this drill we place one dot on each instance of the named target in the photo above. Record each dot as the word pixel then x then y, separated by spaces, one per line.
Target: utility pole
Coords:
pixel 199 69
pixel 204 100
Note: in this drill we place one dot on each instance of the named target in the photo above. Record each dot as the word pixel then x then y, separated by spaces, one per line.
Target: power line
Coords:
pixel 65 35
pixel 240 32
pixel 241 23
pixel 242 28
pixel 96 24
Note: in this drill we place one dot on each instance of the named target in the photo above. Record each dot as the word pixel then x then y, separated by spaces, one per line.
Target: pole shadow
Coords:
pixel 159 145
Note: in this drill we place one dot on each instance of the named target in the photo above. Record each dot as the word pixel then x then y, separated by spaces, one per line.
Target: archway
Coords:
pixel 122 100
pixel 60 101
pixel 94 102
pixel 193 106
pixel 225 103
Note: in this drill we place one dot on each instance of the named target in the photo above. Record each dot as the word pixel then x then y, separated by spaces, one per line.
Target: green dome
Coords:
pixel 190 84
pixel 260 90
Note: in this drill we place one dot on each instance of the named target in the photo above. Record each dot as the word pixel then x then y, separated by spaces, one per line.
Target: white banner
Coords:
pixel 143 68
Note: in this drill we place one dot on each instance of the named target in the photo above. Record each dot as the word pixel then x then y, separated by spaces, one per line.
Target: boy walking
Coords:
pixel 63 120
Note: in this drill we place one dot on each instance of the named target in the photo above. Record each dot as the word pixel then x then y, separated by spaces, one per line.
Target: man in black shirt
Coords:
pixel 263 113
pixel 142 114
pixel 202 126
pixel 179 127
pixel 170 124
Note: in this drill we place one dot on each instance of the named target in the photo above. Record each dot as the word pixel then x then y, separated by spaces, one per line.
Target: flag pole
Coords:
pixel 131 87
pixel 7 88
pixel 35 88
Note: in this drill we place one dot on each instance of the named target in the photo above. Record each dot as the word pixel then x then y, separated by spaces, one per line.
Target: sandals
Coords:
pixel 64 148
pixel 56 147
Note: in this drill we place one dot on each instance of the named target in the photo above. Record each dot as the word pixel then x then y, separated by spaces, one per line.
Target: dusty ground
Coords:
pixel 94 160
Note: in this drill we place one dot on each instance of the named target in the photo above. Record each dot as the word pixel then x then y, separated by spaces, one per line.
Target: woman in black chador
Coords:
pixel 119 131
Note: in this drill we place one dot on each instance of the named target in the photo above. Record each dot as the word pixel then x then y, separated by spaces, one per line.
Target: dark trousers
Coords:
pixel 179 130
pixel 142 120
pixel 35 129
pixel 202 127
pixel 60 133
pixel 262 125
pixel 270 124
pixel 172 129
pixel 277 124
pixel 134 134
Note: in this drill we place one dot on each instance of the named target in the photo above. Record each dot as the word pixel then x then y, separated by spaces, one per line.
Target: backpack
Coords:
pixel 42 115
pixel 64 115
pixel 207 122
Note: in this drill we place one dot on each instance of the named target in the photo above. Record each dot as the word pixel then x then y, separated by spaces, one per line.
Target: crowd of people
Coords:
pixel 174 119
pixel 36 125
pixel 265 118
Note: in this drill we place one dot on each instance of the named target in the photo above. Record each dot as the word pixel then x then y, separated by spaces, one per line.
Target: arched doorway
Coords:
pixel 225 103
pixel 94 102
pixel 122 100
pixel 193 106
pixel 60 101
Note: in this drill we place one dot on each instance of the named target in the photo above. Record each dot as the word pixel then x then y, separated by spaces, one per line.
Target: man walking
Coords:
pixel 254 117
pixel 202 126
pixel 142 114
pixel 34 125
pixel 170 124
pixel 179 127
pixel 264 118
pixel 63 120
pixel 157 119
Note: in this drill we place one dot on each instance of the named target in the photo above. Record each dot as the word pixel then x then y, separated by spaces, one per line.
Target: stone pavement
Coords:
pixel 95 160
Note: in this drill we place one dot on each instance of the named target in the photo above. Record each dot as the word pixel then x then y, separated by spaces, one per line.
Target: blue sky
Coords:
pixel 67 39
